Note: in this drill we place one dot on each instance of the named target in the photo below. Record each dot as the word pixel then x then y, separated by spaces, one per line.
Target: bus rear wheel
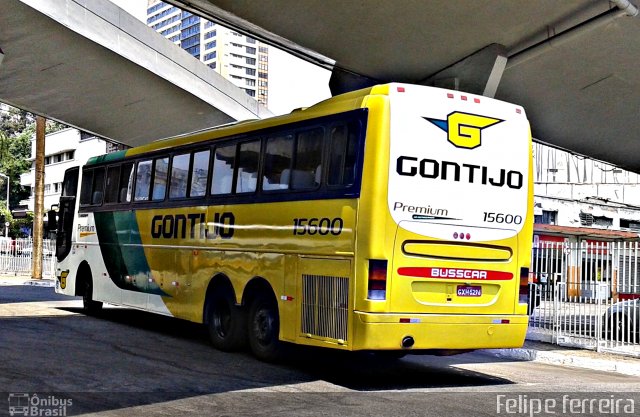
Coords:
pixel 226 323
pixel 264 328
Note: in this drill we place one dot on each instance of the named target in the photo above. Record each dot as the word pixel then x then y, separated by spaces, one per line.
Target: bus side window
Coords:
pixel 179 176
pixel 126 183
pixel 97 193
pixel 248 157
pixel 307 160
pixel 343 157
pixel 223 164
pixel 85 189
pixel 277 163
pixel 199 174
pixel 111 188
pixel 143 181
pixel 160 172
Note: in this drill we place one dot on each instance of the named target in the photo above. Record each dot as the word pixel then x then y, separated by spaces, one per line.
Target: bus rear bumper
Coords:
pixel 437 331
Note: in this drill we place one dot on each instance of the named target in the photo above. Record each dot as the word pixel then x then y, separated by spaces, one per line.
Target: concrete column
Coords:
pixel 38 210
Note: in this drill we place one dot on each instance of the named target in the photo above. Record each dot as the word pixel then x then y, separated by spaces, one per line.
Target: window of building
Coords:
pixel 547 217
pixel 250 50
pixel 250 61
pixel 630 224
pixel 263 49
pixel 250 71
pixel 210 45
pixel 210 55
pixel 212 65
pixel 250 92
pixel 250 40
pixel 179 176
pixel 250 82
pixel 210 35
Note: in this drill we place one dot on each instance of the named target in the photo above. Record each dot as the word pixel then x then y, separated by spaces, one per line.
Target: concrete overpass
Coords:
pixel 93 66
pixel 571 64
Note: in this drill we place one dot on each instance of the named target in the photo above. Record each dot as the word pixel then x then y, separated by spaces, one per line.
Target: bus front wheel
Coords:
pixel 264 327
pixel 89 305
pixel 226 323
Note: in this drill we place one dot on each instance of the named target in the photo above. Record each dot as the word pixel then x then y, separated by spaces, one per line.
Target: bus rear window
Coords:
pixel 343 157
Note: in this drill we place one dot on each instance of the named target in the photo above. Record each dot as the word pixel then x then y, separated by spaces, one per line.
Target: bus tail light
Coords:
pixel 523 294
pixel 377 280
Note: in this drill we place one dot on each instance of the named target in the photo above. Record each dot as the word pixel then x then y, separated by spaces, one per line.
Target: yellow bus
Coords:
pixel 394 218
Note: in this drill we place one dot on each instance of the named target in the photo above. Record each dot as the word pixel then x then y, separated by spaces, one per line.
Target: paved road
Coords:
pixel 127 362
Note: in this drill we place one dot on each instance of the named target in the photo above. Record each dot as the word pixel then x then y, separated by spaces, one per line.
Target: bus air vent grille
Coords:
pixel 324 306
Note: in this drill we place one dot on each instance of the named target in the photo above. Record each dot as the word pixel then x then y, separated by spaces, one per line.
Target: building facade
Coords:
pixel 239 58
pixel 63 149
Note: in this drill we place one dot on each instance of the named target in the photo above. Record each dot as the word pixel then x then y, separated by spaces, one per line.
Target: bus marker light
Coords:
pixel 468 236
pixel 151 280
pixel 286 298
pixel 501 321
pixel 476 100
pixel 175 283
pixel 519 111
pixel 407 320
pixel 400 89
pixel 455 235
pixel 449 95
pixel 464 98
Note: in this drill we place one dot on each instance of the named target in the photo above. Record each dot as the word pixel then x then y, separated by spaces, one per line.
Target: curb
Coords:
pixel 555 358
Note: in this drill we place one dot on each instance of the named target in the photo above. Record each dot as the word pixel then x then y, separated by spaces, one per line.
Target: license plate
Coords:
pixel 469 291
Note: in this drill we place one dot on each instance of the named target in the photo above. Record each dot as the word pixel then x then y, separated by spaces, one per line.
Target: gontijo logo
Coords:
pixel 464 129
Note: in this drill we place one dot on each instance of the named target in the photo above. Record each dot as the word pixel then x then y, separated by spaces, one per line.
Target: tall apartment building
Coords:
pixel 240 59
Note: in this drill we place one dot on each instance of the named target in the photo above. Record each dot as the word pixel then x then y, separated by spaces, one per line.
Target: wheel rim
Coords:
pixel 263 326
pixel 221 319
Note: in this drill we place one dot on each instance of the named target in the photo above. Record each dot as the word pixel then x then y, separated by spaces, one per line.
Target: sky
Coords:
pixel 293 83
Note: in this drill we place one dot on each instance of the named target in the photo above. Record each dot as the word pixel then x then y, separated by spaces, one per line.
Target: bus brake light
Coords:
pixel 523 294
pixel 377 280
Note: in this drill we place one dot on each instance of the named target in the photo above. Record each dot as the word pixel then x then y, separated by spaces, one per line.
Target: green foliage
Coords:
pixel 16 130
pixel 15 229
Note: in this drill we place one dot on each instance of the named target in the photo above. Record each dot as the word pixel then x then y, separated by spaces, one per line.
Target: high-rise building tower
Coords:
pixel 240 59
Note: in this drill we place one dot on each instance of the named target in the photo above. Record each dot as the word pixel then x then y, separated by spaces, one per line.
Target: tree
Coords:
pixel 16 129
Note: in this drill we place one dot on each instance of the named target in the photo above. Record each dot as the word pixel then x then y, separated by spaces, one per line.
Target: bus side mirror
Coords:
pixel 52 220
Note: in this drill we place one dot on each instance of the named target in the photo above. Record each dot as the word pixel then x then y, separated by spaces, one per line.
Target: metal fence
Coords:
pixel 586 295
pixel 16 255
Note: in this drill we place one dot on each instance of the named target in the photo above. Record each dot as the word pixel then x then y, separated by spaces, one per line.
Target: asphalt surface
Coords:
pixel 126 362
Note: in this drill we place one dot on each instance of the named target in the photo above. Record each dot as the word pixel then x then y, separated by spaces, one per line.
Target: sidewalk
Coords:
pixel 25 280
pixel 567 356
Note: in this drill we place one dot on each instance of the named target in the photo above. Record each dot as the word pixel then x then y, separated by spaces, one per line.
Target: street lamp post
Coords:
pixel 6 228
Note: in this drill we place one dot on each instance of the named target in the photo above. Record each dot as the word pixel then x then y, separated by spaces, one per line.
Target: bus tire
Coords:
pixel 89 305
pixel 226 322
pixel 264 329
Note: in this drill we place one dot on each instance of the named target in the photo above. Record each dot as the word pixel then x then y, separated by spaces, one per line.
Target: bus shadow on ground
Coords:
pixel 123 358
pixel 359 371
